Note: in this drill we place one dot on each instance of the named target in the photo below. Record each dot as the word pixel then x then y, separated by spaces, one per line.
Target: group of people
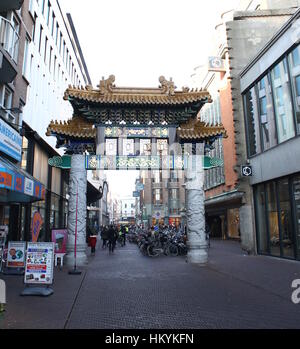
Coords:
pixel 110 235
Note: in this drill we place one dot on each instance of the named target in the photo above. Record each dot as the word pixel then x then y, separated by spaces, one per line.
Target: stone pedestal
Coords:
pixel 197 243
pixel 77 186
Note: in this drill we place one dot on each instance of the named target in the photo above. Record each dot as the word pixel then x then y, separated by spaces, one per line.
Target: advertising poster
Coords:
pixel 16 254
pixel 37 222
pixel 60 238
pixel 39 263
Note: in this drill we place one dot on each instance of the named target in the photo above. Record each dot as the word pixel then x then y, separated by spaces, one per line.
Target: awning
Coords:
pixel 18 186
pixel 93 194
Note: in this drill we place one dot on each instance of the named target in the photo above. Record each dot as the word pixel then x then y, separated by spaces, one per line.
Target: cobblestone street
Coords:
pixel 128 290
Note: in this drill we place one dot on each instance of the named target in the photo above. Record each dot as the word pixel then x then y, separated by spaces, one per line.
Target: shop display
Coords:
pixel 39 263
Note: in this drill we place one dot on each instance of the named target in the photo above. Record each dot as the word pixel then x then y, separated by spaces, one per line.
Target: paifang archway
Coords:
pixel 155 114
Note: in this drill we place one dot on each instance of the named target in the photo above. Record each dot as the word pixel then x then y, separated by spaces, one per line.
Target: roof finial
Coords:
pixel 168 87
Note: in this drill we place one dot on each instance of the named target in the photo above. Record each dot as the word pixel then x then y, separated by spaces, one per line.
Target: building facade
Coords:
pixel 53 61
pixel 270 87
pixel 239 36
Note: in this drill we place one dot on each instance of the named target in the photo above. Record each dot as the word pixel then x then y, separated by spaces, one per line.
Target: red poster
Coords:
pixel 37 222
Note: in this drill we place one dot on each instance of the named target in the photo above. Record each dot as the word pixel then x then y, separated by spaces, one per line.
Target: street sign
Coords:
pixel 136 194
pixel 247 171
pixel 139 186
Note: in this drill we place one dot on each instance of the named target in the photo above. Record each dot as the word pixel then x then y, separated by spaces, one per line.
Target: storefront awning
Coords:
pixel 17 186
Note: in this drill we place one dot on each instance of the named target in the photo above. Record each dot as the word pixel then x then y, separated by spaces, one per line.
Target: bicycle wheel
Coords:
pixel 173 250
pixel 152 251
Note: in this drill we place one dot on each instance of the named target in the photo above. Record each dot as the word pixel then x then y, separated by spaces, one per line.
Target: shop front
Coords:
pixel 277 215
pixel 17 190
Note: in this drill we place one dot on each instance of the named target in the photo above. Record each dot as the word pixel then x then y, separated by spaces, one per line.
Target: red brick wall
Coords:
pixel 228 144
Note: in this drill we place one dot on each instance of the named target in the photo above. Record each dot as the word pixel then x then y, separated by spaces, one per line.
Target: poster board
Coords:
pixel 60 238
pixel 39 263
pixel 16 254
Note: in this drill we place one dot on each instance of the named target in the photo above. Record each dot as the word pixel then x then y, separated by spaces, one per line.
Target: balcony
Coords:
pixel 9 5
pixel 9 47
pixel 173 185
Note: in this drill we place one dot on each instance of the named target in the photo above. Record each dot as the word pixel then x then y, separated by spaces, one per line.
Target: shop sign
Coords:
pixel 16 254
pixel 37 190
pixel 37 222
pixel 19 183
pixel 10 141
pixel 6 180
pixel 28 187
pixel 60 238
pixel 39 263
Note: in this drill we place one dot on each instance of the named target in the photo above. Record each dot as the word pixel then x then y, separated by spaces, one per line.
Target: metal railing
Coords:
pixel 9 38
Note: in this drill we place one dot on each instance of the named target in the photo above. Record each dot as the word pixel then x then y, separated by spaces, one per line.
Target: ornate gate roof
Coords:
pixel 110 106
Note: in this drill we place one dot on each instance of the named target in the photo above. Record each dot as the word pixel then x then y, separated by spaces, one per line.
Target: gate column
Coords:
pixel 77 192
pixel 195 212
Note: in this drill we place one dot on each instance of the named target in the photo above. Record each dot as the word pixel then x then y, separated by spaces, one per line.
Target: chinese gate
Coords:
pixel 136 128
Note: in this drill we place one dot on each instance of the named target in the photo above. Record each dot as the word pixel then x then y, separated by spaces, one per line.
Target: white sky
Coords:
pixel 140 40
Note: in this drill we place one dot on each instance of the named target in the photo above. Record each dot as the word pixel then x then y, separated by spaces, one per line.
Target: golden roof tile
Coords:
pixel 76 127
pixel 108 93
pixel 196 129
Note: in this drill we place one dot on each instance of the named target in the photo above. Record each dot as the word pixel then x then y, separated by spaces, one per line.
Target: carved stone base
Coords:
pixel 81 257
pixel 77 212
pixel 197 254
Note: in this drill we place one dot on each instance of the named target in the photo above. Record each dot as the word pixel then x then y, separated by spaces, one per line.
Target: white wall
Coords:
pixel 46 89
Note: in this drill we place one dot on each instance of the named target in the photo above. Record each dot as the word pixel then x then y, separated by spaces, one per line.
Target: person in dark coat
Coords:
pixel 104 236
pixel 112 236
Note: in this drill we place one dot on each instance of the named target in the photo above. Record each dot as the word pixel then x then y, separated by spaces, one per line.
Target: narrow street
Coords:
pixel 130 291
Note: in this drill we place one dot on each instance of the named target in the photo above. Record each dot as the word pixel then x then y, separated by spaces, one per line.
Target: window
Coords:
pixel 266 114
pixel 111 146
pixel 40 41
pixel 261 226
pixel 53 24
pixel 283 102
pixel 128 147
pixel 294 62
pixel 272 214
pixel 48 13
pixel 34 27
pixel 24 153
pixel 145 147
pixel 60 42
pixel 6 98
pixel 56 34
pixel 43 6
pixel 50 58
pixel 45 51
pixel 252 125
pixel 25 59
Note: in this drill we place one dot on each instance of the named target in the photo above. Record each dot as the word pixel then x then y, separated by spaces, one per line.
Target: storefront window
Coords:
pixel 286 218
pixel 252 123
pixel 273 219
pixel 294 61
pixel 54 212
pixel 283 102
pixel 24 153
pixel 296 197
pixel 266 114
pixel 261 226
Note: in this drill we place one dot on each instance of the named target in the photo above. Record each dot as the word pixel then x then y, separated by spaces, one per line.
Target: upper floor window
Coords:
pixel 294 60
pixel 282 102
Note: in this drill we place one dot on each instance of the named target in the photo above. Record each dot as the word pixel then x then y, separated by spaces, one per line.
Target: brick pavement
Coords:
pixel 128 290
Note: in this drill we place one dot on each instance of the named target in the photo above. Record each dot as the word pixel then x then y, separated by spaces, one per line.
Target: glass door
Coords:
pixel 296 195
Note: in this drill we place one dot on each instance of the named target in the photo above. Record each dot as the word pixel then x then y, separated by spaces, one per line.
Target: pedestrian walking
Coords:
pixel 104 236
pixel 112 238
pixel 123 235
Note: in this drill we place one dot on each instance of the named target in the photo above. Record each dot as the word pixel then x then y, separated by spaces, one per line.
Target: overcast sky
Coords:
pixel 140 40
